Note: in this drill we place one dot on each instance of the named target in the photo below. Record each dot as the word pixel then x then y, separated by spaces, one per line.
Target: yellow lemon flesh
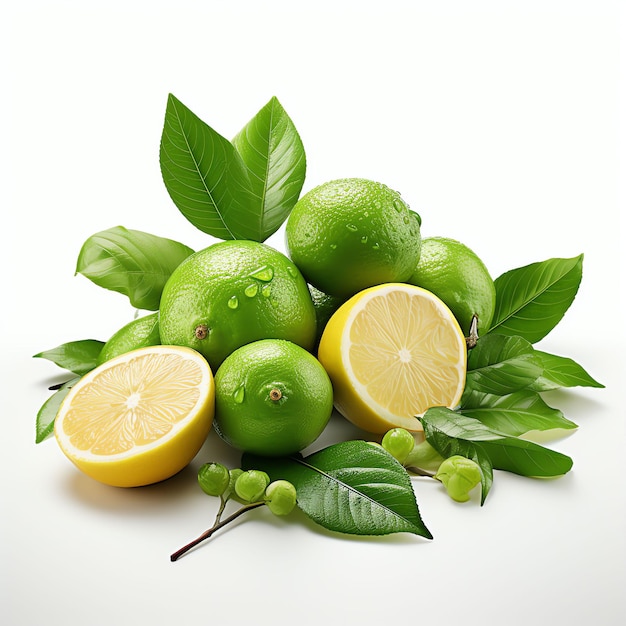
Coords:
pixel 140 417
pixel 392 352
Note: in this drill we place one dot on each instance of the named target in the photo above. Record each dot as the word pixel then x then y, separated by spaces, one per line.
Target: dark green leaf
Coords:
pixel 131 262
pixel 49 409
pixel 351 487
pixel 79 357
pixel 559 371
pixel 531 300
pixel 500 365
pixel 505 453
pixel 514 414
pixel 272 150
pixel 206 178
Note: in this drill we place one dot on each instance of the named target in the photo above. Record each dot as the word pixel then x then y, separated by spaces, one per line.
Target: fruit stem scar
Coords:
pixel 275 395
pixel 201 331
pixel 472 339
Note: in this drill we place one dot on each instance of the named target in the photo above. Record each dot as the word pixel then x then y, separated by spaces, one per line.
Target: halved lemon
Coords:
pixel 140 417
pixel 392 352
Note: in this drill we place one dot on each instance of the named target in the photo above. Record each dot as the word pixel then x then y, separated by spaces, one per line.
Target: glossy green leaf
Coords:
pixel 206 178
pixel 272 150
pixel 351 487
pixel 49 409
pixel 531 300
pixel 501 364
pixel 514 414
pixel 131 262
pixel 559 371
pixel 79 357
pixel 505 452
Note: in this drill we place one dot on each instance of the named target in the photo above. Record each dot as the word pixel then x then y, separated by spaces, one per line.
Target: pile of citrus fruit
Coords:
pixel 360 314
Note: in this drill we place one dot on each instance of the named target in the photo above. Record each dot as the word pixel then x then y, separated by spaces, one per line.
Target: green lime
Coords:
pixel 349 234
pixel 273 398
pixel 325 306
pixel 233 293
pixel 452 271
pixel 140 333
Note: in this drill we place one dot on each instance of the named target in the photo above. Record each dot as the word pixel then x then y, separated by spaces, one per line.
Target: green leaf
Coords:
pixel 131 262
pixel 505 452
pixel 500 364
pixel 272 150
pixel 206 178
pixel 513 414
pixel 559 371
pixel 351 487
pixel 79 357
pixel 531 300
pixel 49 409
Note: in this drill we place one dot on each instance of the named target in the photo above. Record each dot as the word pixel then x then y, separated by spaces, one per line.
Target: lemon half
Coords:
pixel 392 352
pixel 140 417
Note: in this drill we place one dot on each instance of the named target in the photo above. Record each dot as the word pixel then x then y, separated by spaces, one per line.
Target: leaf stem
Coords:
pixel 219 524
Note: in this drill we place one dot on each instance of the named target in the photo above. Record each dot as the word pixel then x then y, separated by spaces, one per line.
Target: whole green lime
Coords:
pixel 452 271
pixel 353 233
pixel 233 293
pixel 273 398
pixel 141 332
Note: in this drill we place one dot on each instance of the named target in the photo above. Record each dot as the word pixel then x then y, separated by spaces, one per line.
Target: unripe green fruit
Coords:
pixel 398 442
pixel 280 497
pixel 250 486
pixel 213 478
pixel 459 475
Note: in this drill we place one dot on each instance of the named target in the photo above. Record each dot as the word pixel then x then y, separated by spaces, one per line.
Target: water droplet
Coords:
pixel 351 227
pixel 239 394
pixel 333 246
pixel 264 273
pixel 399 206
pixel 251 290
pixel 406 219
pixel 266 291
pixel 376 246
pixel 364 239
pixel 233 302
pixel 292 270
pixel 366 214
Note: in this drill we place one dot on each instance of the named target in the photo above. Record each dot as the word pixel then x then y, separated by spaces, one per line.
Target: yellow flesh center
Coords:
pixel 133 403
pixel 406 352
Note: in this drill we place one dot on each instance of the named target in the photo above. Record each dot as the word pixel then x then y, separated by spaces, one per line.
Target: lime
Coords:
pixel 138 418
pixel 273 398
pixel 349 234
pixel 392 352
pixel 453 272
pixel 325 306
pixel 233 293
pixel 142 332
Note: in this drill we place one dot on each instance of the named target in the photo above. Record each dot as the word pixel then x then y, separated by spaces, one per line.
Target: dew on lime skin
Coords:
pixel 264 273
pixel 292 271
pixel 376 246
pixel 233 302
pixel 239 394
pixel 351 227
pixel 333 246
pixel 266 291
pixel 251 290
pixel 364 239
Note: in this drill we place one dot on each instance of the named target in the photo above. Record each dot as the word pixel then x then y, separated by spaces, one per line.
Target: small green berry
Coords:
pixel 250 486
pixel 459 475
pixel 213 478
pixel 398 442
pixel 280 497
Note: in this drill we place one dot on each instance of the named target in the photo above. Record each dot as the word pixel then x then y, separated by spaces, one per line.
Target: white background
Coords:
pixel 502 123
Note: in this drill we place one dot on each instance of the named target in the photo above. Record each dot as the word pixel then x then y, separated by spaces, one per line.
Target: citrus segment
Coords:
pixel 392 352
pixel 140 417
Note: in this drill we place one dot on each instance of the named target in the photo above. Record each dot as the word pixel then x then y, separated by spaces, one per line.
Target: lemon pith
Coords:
pixel 393 351
pixel 138 418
